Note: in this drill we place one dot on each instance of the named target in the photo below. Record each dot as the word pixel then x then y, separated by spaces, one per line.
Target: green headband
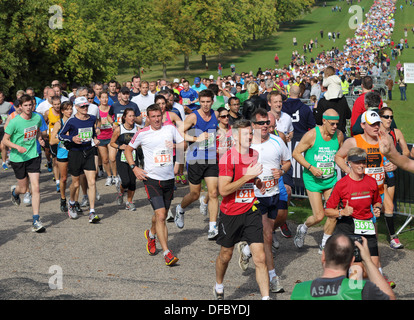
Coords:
pixel 330 117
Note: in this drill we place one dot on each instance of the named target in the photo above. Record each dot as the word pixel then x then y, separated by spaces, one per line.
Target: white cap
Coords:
pixel 176 80
pixel 81 101
pixel 370 117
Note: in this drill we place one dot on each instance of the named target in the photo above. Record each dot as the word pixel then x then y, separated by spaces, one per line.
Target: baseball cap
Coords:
pixel 197 80
pixel 211 77
pixel 370 117
pixel 81 101
pixel 176 80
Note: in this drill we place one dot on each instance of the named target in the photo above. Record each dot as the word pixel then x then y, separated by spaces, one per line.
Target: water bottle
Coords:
pixel 390 174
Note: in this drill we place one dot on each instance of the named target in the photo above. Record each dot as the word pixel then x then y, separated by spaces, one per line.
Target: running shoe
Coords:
pixel 49 166
pixel 170 216
pixel 78 208
pixel 4 166
pixel 94 218
pixel 14 199
pixel 243 259
pixel 72 211
pixel 396 244
pixel 275 241
pixel 321 248
pixel 130 206
pixel 275 285
pixel 37 226
pixel 117 183
pixel 170 259
pixel 391 283
pixel 85 201
pixel 120 199
pixel 284 230
pixel 183 179
pixel 151 248
pixel 97 195
pixel 108 181
pixel 218 295
pixel 179 218
pixel 27 199
pixel 299 239
pixel 212 233
pixel 203 206
pixel 177 179
pixel 63 205
pixel 58 187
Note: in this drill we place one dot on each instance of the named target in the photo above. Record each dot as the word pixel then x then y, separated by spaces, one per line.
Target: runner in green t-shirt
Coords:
pixel 319 175
pixel 21 136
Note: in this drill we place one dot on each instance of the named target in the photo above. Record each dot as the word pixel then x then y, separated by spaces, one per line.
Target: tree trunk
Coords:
pixel 203 59
pixel 186 62
pixel 164 70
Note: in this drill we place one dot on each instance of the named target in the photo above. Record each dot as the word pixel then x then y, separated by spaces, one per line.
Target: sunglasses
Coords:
pixel 83 106
pixel 261 123
pixel 387 117
pixel 224 117
pixel 333 124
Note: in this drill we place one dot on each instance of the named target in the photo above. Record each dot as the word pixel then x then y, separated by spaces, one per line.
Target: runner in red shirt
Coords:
pixel 351 200
pixel 239 217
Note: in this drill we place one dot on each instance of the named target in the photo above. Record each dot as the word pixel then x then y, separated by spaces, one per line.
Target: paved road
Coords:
pixel 108 261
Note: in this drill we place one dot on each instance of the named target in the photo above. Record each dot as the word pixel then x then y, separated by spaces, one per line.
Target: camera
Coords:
pixel 357 253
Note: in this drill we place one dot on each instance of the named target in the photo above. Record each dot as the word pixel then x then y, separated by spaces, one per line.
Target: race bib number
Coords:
pixel 4 117
pixel 118 118
pixel 186 101
pixel 85 134
pixel 364 227
pixel 30 133
pixel 270 184
pixel 163 157
pixel 208 143
pixel 123 158
pixel 327 168
pixel 105 124
pixel 377 173
pixel 245 194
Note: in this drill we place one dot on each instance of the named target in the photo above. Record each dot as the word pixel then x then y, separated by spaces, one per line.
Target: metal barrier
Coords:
pixel 403 197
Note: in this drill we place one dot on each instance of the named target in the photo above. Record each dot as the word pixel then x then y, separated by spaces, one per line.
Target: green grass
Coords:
pixel 404 110
pixel 261 53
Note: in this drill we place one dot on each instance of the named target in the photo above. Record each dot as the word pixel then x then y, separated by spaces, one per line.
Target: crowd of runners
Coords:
pixel 235 136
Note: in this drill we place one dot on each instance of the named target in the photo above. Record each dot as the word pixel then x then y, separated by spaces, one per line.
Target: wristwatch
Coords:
pixel 132 166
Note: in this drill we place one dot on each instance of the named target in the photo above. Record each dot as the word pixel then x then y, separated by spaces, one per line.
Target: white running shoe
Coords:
pixel 179 218
pixel 108 181
pixel 27 199
pixel 299 239
pixel 203 206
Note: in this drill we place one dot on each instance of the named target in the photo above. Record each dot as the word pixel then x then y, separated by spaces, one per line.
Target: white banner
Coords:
pixel 409 72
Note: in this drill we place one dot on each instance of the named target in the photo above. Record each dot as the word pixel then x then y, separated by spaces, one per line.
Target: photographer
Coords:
pixel 337 257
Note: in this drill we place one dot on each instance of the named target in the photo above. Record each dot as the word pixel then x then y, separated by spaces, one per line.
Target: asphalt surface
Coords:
pixel 76 260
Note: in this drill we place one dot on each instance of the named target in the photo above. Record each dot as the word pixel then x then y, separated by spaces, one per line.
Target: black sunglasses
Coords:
pixel 261 123
pixel 387 117
pixel 226 116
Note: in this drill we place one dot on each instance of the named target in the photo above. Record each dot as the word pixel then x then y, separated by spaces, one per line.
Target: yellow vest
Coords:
pixel 345 87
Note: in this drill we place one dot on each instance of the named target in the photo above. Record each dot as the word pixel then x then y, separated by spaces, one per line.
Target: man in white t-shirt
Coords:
pixel 144 100
pixel 47 104
pixel 157 141
pixel 283 120
pixel 275 158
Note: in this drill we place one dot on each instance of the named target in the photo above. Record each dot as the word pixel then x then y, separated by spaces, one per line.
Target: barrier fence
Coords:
pixel 404 188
